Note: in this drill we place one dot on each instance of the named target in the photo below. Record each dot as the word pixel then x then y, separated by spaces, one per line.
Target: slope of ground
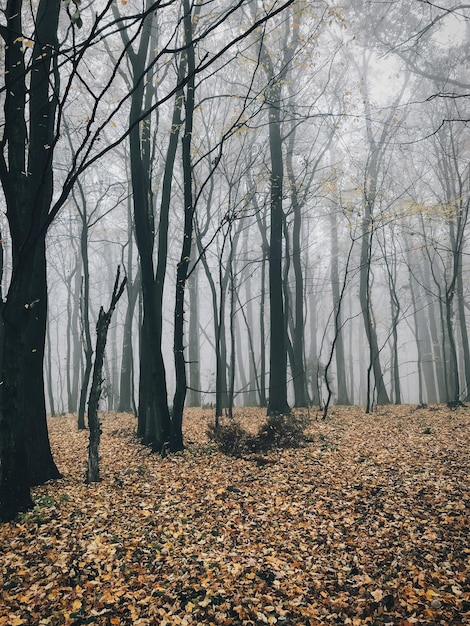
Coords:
pixel 366 524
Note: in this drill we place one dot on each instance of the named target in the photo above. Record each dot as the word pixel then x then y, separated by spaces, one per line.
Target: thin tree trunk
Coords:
pixel 299 370
pixel 176 438
pixel 342 397
pixel 85 316
pixel 194 395
pixel 366 305
pixel 277 402
pixel 48 363
pixel 102 327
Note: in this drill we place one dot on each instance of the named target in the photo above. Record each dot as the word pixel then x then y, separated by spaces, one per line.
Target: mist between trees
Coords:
pixel 285 185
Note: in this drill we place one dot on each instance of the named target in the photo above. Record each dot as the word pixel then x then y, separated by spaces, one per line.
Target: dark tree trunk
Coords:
pixel 263 399
pixel 240 364
pixel 153 413
pixel 299 371
pixel 126 380
pixel 126 385
pixel 102 327
pixel 395 308
pixel 215 316
pixel 176 438
pixel 367 313
pixel 277 402
pixel 14 469
pixel 453 394
pixel 25 455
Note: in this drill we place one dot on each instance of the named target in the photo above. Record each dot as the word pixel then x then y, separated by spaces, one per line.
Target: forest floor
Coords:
pixel 366 524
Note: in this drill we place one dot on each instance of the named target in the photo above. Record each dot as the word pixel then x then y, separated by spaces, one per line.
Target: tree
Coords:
pixel 126 382
pixel 176 436
pixel 277 402
pixel 375 164
pixel 26 177
pixel 153 411
pixel 102 326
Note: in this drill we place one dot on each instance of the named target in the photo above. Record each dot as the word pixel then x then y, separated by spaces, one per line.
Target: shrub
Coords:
pixel 279 431
pixel 230 438
pixel 282 431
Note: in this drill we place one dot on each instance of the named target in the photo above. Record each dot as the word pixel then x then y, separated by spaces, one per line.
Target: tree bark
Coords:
pixel 176 438
pixel 342 391
pixel 25 454
pixel 102 327
pixel 153 413
pixel 194 394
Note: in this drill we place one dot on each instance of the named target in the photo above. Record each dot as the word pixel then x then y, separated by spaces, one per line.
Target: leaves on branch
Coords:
pixel 367 523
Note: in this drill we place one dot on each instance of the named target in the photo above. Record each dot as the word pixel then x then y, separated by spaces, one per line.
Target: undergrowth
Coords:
pixel 279 431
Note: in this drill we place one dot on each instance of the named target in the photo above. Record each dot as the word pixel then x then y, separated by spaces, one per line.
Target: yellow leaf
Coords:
pixel 77 604
pixel 377 595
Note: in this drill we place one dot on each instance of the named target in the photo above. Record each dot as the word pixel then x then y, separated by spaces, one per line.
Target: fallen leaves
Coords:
pixel 366 524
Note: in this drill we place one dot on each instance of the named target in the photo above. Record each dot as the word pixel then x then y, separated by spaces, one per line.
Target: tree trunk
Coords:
pixel 85 315
pixel 73 338
pixel 419 342
pixel 342 397
pixel 369 326
pixel 251 398
pixel 48 367
pixel 176 439
pixel 102 327
pixel 436 353
pixel 277 403
pixel 126 384
pixel 299 371
pixel 25 454
pixel 463 332
pixel 313 364
pixel 194 395
pixel 153 412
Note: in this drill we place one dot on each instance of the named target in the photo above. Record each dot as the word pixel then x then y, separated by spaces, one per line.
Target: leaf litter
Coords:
pixel 365 524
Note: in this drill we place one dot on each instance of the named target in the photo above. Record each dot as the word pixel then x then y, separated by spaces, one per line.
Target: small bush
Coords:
pixel 279 431
pixel 282 431
pixel 229 438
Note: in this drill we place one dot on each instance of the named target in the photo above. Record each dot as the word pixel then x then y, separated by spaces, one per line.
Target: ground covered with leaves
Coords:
pixel 367 523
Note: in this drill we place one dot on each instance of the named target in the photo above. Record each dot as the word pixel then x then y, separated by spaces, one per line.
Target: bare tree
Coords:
pixel 102 326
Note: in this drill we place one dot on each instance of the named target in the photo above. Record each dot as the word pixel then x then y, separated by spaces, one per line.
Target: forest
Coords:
pixel 215 209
